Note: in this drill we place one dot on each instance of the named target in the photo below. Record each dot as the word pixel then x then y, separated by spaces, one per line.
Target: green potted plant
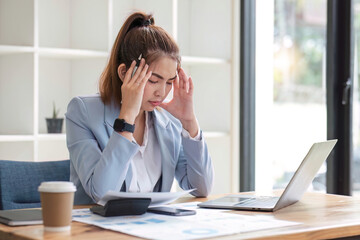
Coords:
pixel 54 124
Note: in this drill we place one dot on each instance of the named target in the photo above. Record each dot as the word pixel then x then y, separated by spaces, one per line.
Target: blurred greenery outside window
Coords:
pixel 299 46
pixel 299 110
pixel 299 68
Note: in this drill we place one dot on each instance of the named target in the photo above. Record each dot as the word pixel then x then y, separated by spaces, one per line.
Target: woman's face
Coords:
pixel 164 73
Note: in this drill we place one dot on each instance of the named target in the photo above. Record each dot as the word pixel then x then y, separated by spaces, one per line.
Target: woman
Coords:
pixel 127 138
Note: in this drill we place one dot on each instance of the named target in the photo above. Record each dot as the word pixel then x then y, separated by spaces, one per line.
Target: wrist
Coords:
pixel 191 126
pixel 127 117
pixel 127 135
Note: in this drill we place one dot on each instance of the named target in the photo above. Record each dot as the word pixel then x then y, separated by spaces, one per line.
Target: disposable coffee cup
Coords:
pixel 57 199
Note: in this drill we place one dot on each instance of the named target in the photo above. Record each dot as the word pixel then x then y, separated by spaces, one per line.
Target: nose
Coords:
pixel 160 90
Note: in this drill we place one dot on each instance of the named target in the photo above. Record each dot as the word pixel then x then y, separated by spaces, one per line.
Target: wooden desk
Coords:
pixel 323 216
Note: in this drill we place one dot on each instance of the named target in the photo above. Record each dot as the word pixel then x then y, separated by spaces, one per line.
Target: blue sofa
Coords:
pixel 19 181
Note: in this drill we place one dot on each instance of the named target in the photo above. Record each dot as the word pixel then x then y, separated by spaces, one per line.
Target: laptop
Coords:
pixel 297 186
pixel 19 217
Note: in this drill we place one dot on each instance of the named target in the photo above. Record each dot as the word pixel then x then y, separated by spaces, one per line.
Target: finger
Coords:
pixel 129 72
pixel 181 80
pixel 138 70
pixel 176 82
pixel 176 86
pixel 186 85
pixel 191 86
pixel 145 79
pixel 182 73
pixel 142 74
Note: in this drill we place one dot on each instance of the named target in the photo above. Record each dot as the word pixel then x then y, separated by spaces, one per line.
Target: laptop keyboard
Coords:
pixel 259 202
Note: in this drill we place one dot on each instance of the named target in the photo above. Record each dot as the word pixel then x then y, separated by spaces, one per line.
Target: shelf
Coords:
pixel 11 49
pixel 202 60
pixel 16 138
pixel 68 53
pixel 65 53
pixel 52 137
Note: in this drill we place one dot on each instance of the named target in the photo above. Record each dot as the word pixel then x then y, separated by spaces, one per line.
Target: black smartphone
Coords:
pixel 171 211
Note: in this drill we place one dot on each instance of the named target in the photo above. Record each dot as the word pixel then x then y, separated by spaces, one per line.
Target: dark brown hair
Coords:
pixel 137 36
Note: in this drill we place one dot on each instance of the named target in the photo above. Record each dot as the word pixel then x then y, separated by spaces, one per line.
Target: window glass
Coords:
pixel 290 88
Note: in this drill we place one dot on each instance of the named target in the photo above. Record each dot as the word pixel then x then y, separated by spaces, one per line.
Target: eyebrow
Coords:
pixel 159 76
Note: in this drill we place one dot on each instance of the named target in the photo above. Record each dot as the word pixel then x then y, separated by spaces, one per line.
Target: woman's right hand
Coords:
pixel 132 91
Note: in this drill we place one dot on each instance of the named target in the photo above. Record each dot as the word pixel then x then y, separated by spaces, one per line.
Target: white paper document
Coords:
pixel 206 223
pixel 157 198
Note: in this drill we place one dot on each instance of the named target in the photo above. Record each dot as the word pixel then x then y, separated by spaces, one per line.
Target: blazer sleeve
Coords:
pixel 98 170
pixel 194 168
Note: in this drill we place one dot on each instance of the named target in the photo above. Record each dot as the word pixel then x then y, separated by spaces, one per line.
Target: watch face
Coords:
pixel 120 125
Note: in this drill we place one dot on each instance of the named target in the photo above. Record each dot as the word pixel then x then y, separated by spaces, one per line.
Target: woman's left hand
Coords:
pixel 181 106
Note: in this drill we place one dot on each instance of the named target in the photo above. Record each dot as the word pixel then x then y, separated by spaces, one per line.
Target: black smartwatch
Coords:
pixel 121 126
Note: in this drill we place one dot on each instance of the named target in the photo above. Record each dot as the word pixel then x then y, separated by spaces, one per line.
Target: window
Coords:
pixel 290 88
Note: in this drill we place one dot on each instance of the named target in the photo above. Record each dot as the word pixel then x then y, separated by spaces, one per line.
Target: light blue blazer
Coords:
pixel 100 157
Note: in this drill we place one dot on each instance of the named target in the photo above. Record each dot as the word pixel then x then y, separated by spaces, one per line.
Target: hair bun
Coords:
pixel 141 20
pixel 148 22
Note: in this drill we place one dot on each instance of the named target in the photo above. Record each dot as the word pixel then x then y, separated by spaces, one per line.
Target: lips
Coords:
pixel 155 103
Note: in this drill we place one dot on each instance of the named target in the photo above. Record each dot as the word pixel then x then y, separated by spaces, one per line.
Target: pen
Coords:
pixel 137 65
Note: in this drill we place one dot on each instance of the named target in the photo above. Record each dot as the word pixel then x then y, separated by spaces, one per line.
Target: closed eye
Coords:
pixel 153 82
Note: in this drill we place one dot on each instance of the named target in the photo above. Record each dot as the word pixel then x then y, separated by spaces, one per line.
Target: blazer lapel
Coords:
pixel 111 112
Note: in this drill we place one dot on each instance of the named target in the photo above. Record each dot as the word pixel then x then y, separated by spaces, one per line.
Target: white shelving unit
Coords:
pixel 51 51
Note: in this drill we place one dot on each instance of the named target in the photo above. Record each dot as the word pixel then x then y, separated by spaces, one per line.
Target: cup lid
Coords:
pixel 59 186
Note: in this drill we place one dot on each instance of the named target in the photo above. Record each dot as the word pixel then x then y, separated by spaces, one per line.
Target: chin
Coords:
pixel 149 108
